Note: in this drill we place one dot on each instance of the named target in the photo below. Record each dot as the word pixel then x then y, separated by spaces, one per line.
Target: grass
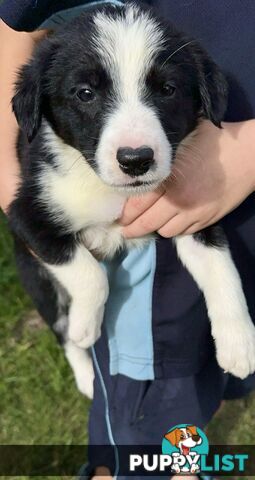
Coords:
pixel 39 403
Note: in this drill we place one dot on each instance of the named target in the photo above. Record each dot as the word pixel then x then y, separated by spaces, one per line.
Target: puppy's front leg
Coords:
pixel 87 284
pixel 214 271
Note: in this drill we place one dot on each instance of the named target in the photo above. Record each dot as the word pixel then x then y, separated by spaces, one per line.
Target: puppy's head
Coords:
pixel 184 438
pixel 124 89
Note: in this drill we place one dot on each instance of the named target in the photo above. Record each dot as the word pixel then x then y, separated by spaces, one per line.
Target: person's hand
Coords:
pixel 15 50
pixel 213 173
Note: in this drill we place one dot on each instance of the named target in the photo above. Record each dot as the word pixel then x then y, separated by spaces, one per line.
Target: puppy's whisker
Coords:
pixel 178 173
pixel 177 50
pixel 81 157
pixel 189 153
pixel 92 138
pixel 182 162
pixel 74 163
pixel 190 146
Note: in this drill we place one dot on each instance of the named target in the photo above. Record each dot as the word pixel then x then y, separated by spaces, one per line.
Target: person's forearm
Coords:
pixel 15 49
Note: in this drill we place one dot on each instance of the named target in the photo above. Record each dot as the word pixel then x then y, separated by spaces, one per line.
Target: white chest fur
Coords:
pixel 75 195
pixel 72 190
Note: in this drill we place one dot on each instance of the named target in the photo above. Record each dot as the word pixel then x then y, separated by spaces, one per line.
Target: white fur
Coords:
pixel 87 284
pixel 216 275
pixel 127 47
pixel 133 125
pixel 72 191
pixel 82 366
pixel 108 239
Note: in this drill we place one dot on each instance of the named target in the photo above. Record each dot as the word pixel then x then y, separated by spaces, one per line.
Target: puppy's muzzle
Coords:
pixel 135 161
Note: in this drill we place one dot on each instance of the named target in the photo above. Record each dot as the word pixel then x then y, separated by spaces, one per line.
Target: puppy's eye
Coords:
pixel 168 90
pixel 86 94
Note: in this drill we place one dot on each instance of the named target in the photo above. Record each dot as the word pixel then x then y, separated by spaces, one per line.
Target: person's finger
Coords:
pixel 102 473
pixel 176 226
pixel 194 228
pixel 200 224
pixel 135 206
pixel 152 219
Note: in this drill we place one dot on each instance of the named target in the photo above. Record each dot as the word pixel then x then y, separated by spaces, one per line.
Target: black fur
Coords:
pixel 212 236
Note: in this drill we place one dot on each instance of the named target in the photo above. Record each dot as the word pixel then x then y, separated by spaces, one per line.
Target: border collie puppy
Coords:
pixel 102 106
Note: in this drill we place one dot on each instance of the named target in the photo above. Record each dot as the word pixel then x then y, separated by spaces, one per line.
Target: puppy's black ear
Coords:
pixel 213 89
pixel 27 101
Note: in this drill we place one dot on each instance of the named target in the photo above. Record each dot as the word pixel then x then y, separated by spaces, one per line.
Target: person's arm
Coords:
pixel 15 50
pixel 211 177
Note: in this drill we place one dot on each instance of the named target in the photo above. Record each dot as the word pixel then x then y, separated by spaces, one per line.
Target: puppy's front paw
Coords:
pixel 85 380
pixel 82 366
pixel 86 314
pixel 85 325
pixel 236 349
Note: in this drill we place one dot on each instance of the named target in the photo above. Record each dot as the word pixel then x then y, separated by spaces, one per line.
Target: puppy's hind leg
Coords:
pixel 208 259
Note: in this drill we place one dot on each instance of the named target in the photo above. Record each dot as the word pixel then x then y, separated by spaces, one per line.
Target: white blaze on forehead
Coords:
pixel 127 46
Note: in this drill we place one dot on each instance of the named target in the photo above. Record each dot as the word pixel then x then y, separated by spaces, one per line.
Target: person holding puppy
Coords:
pixel 209 183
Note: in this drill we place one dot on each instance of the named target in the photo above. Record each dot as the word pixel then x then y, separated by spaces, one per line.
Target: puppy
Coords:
pixel 102 106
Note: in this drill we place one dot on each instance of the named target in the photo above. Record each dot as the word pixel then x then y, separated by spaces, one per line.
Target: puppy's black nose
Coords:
pixel 135 161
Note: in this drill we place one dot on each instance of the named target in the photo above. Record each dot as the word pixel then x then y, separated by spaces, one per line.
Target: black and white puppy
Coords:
pixel 102 106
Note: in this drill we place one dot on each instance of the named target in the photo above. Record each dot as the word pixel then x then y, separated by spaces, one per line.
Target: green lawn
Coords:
pixel 39 403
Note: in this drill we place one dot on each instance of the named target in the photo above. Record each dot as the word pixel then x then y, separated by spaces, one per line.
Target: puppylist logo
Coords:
pixel 185 444
pixel 185 449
